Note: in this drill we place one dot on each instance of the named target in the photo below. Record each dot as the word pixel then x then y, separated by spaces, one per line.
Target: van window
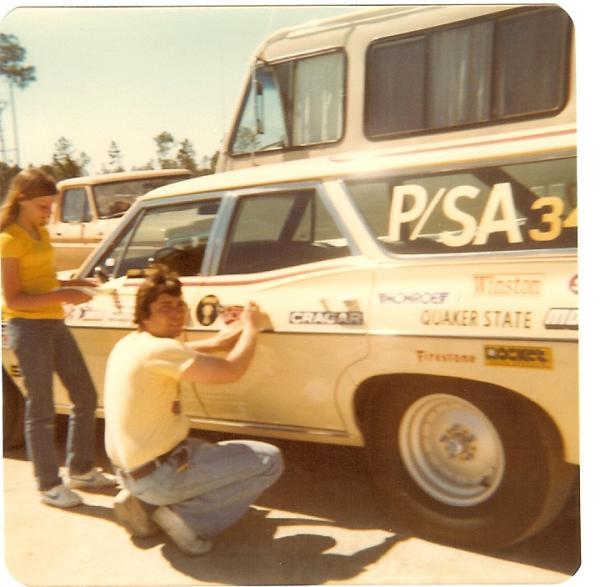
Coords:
pixel 506 207
pixel 75 206
pixel 293 103
pixel 485 71
pixel 273 231
pixel 174 235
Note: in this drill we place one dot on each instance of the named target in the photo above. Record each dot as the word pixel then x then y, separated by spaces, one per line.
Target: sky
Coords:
pixel 126 74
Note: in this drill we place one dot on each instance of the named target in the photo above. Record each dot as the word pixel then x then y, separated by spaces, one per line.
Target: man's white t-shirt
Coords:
pixel 140 390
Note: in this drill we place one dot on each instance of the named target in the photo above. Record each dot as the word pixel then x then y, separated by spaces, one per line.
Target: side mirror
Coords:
pixel 100 274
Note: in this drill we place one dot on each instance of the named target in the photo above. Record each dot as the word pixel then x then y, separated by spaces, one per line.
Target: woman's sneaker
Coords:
pixel 132 514
pixel 61 497
pixel 94 479
pixel 180 533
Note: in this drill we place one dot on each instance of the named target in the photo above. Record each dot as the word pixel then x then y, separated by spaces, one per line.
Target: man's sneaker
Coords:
pixel 61 497
pixel 94 479
pixel 131 513
pixel 180 533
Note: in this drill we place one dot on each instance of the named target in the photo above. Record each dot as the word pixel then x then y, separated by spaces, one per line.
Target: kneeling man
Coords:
pixel 200 487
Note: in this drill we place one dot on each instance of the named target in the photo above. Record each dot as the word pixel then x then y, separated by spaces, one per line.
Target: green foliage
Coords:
pixel 186 157
pixel 11 57
pixel 7 172
pixel 64 165
pixel 164 144
pixel 115 159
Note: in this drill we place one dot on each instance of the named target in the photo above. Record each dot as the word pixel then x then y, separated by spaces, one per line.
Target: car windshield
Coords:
pixel 113 199
pixel 495 208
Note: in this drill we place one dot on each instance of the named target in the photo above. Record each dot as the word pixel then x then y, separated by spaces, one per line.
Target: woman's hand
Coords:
pixel 93 282
pixel 73 296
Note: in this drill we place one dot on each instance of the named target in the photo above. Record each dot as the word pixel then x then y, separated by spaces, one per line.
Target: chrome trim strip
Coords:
pixel 261 426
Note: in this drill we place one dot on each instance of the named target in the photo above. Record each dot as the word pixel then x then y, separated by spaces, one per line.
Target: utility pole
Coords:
pixel 3 155
pixel 14 122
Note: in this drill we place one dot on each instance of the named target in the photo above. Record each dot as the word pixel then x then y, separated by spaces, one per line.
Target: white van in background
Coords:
pixel 403 75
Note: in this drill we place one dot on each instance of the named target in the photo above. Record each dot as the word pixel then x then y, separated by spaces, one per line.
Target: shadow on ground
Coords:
pixel 324 486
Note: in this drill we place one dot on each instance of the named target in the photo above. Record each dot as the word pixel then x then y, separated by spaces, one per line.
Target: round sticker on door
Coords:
pixel 207 310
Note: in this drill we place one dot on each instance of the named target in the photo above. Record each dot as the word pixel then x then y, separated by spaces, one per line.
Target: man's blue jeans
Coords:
pixel 43 347
pixel 218 485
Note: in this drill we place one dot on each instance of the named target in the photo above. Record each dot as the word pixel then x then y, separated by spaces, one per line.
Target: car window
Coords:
pixel 272 231
pixel 114 198
pixel 75 206
pixel 174 235
pixel 506 207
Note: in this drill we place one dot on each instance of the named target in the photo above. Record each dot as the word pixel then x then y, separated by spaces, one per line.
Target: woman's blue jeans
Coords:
pixel 216 487
pixel 43 347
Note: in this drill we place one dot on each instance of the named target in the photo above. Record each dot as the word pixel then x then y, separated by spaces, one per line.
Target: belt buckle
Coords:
pixel 184 458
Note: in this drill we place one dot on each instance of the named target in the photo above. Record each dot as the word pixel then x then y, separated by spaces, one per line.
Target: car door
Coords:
pixel 285 250
pixel 175 233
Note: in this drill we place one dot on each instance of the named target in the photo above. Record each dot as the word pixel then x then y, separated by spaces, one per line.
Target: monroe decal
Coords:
pixel 331 318
pixel 427 297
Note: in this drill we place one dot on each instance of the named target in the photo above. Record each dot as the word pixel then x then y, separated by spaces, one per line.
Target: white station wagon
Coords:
pixel 420 303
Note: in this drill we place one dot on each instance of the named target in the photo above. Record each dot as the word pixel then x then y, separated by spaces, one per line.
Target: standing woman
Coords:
pixel 33 299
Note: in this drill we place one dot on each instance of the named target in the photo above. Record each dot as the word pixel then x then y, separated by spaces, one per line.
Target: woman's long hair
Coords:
pixel 26 185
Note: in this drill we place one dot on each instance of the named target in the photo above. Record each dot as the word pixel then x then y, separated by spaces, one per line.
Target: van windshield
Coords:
pixel 529 205
pixel 291 104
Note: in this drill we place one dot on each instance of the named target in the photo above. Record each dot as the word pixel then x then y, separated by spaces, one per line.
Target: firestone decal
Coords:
pixel 474 318
pixel 508 284
pixel 331 318
pixel 518 356
pixel 435 297
pixel 429 357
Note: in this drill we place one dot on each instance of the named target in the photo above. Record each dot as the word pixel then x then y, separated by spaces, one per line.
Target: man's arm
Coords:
pixel 207 369
pixel 224 340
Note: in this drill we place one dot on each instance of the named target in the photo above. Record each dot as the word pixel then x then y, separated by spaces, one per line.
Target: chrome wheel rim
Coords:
pixel 451 450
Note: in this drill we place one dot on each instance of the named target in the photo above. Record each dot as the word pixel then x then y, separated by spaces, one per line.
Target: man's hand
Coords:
pixel 251 316
pixel 208 369
pixel 226 338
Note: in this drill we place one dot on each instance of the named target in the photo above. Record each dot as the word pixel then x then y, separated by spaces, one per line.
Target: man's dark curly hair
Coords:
pixel 159 280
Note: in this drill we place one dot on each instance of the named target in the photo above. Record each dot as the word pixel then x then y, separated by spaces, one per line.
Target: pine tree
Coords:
pixel 64 164
pixel 164 143
pixel 115 158
pixel 186 156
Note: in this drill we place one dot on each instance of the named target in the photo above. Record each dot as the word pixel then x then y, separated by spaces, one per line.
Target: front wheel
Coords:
pixel 464 464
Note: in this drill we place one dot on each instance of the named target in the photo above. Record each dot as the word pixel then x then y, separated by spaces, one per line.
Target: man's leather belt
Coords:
pixel 151 466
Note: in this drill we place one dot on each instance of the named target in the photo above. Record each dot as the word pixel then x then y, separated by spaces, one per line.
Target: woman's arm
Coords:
pixel 16 299
pixel 78 282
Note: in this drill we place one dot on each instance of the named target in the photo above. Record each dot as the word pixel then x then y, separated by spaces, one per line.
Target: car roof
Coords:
pixel 476 150
pixel 123 176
